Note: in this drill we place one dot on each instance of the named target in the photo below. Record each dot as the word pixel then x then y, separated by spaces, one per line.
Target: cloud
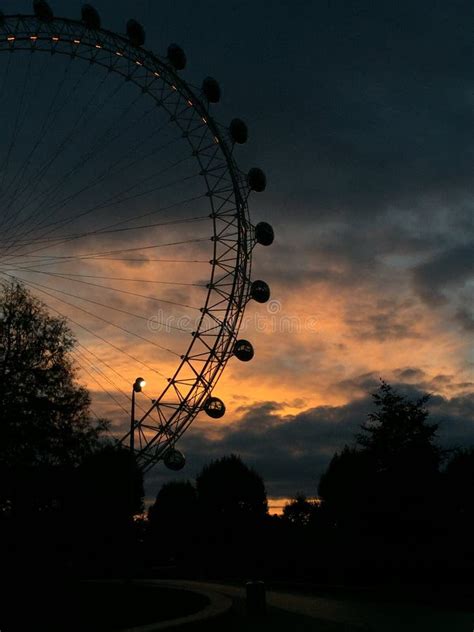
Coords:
pixel 410 374
pixel 448 270
pixel 465 319
pixel 292 451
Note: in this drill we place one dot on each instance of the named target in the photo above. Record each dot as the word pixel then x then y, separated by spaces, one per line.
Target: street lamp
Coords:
pixel 137 387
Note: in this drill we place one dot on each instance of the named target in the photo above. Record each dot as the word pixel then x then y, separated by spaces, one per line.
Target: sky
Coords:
pixel 361 115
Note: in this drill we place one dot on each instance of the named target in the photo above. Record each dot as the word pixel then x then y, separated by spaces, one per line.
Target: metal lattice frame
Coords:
pixel 227 188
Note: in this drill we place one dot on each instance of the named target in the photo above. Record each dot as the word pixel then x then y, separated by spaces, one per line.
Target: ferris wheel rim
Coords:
pixel 105 41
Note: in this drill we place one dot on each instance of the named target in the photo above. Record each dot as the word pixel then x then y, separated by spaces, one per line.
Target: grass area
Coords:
pixel 93 606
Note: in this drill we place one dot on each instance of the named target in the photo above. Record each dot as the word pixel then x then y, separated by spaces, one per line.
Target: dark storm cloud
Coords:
pixel 387 320
pixel 382 107
pixel 370 100
pixel 292 451
pixel 379 145
pixel 465 319
pixel 410 374
pixel 355 106
pixel 358 112
pixel 450 269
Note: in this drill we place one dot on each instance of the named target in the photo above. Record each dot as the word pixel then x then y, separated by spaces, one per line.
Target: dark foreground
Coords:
pixel 101 606
pixel 76 606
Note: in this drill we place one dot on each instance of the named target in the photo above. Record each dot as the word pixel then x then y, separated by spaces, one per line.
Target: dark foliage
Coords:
pixel 228 489
pixel 227 512
pixel 66 497
pixel 232 512
pixel 169 519
pixel 44 412
pixel 300 512
pixel 387 513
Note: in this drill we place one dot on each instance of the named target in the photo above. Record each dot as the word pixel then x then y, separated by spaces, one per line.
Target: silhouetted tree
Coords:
pixel 459 487
pixel 457 518
pixel 44 412
pixel 55 472
pixel 384 493
pixel 111 484
pixel 229 489
pixel 300 511
pixel 169 520
pixel 399 430
pixel 175 503
pixel 233 508
pixel 345 488
pixel 105 495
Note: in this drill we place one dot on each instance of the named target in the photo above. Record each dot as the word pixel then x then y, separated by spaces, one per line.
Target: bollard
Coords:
pixel 256 601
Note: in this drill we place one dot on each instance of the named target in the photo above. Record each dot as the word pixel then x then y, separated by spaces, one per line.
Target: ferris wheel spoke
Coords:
pixel 96 189
pixel 5 164
pixel 42 261
pixel 68 138
pixel 47 125
pixel 81 362
pixel 84 159
pixel 91 332
pixel 108 231
pixel 99 254
pixel 18 177
pixel 110 203
pixel 111 170
pixel 70 277
pixel 96 316
pixel 156 211
pixel 111 308
pixel 5 77
pixel 118 198
pixel 123 379
pixel 95 371
pixel 8 256
pixel 62 145
pixel 147 214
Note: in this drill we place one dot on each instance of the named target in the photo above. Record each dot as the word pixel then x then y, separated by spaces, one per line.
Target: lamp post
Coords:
pixel 138 385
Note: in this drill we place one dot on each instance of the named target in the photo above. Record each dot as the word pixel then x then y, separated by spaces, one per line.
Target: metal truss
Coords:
pixel 228 289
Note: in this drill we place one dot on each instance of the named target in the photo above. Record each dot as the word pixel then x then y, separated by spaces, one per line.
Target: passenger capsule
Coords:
pixel 211 90
pixel 238 131
pixel 174 459
pixel 260 291
pixel 177 56
pixel 42 10
pixel 257 180
pixel 90 17
pixel 214 407
pixel 135 33
pixel 243 350
pixel 264 234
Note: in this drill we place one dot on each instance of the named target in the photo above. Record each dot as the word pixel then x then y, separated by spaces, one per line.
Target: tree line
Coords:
pixel 393 505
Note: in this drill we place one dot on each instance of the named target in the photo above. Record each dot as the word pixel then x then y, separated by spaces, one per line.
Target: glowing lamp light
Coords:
pixel 139 384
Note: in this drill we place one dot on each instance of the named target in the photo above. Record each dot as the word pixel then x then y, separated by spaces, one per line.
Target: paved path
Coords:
pixel 372 617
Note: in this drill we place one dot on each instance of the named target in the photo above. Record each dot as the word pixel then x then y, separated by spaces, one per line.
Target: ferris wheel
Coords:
pixel 123 209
